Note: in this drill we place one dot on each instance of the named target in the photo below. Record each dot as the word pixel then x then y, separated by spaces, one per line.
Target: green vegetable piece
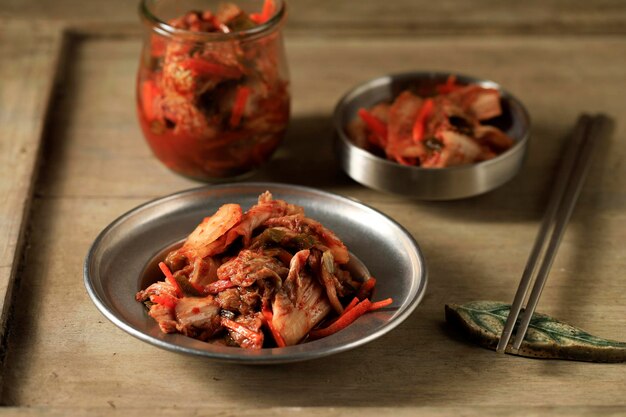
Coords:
pixel 241 22
pixel 188 289
pixel 483 321
pixel 274 236
pixel 303 241
pixel 268 237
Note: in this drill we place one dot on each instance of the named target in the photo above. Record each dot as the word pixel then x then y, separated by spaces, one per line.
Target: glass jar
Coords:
pixel 213 105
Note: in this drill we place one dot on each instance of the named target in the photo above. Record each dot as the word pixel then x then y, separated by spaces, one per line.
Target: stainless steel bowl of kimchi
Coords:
pixel 431 135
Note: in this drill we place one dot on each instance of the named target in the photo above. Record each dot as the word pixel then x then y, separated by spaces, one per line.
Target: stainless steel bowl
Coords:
pixel 428 183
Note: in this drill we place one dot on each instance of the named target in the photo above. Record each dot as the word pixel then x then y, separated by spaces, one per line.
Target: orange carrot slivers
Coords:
pixel 352 304
pixel 380 304
pixel 243 330
pixel 449 86
pixel 266 13
pixel 419 127
pixel 202 67
pixel 149 92
pixel 366 288
pixel 268 10
pixel 164 300
pixel 269 316
pixel 344 321
pixel 239 106
pixel 256 18
pixel 374 124
pixel 170 278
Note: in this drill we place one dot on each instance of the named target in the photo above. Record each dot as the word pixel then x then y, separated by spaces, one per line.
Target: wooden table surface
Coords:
pixel 72 159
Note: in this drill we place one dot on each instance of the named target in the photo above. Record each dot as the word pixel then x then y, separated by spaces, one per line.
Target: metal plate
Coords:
pixel 121 253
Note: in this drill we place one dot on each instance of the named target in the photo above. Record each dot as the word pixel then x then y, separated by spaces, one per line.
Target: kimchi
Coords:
pixel 212 91
pixel 446 127
pixel 269 277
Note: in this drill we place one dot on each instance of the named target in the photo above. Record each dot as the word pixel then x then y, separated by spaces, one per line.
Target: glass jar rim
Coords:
pixel 165 29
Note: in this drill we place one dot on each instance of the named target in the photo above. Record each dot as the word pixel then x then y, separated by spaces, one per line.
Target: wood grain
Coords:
pixel 63 355
pixel 30 64
pixel 373 17
pixel 479 411
pixel 64 358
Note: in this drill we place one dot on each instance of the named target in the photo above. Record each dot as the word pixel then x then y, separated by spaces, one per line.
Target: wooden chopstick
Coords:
pixel 572 173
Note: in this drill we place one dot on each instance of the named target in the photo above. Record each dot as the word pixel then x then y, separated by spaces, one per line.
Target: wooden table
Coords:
pixel 72 159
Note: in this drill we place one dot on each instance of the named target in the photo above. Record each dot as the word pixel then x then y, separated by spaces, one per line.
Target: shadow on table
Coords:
pixel 307 156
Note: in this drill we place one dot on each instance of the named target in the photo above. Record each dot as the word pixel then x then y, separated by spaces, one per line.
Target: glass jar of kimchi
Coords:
pixel 212 86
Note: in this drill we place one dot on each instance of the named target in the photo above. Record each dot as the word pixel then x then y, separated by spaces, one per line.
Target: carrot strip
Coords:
pixel 256 18
pixel 269 316
pixel 352 304
pixel 349 307
pixel 164 300
pixel 239 106
pixel 420 122
pixel 266 13
pixel 149 92
pixel 375 125
pixel 344 321
pixel 366 288
pixel 380 304
pixel 170 278
pixel 204 67
pixel 268 10
pixel 449 86
pixel 243 330
pixel 158 46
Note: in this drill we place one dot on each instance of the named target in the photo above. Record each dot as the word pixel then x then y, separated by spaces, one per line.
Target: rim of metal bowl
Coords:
pixel 363 87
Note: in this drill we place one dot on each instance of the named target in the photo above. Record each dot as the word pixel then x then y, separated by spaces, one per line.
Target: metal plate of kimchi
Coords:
pixel 123 259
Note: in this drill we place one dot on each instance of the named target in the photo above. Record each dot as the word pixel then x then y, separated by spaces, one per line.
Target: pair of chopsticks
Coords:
pixel 590 131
